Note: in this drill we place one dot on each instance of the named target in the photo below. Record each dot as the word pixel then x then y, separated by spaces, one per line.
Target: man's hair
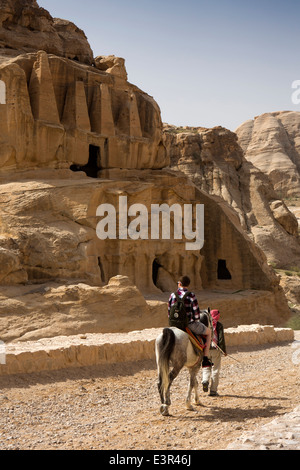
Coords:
pixel 185 281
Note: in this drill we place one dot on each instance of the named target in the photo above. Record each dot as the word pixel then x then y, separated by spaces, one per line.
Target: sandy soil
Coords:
pixel 118 407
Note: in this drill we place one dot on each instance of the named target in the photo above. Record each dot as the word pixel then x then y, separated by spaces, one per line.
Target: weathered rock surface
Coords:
pixel 49 224
pixel 48 310
pixel 112 64
pixel 25 27
pixel 290 282
pixel 75 134
pixel 215 162
pixel 271 142
pixel 64 114
pixel 283 433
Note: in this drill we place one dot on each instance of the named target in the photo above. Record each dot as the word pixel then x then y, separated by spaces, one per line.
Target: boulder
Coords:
pixel 112 64
pixel 25 27
pixel 285 217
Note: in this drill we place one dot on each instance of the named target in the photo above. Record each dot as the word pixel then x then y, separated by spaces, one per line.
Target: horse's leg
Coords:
pixel 164 396
pixel 160 389
pixel 164 347
pixel 196 388
pixel 193 386
pixel 173 374
pixel 190 389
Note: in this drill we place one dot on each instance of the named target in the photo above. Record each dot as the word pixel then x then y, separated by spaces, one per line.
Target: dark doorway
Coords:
pixel 155 268
pixel 102 275
pixel 94 163
pixel 223 272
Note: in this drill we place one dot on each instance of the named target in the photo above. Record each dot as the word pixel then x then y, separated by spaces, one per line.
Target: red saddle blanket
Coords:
pixel 197 341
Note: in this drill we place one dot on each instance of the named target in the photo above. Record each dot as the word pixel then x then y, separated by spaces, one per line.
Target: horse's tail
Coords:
pixel 164 349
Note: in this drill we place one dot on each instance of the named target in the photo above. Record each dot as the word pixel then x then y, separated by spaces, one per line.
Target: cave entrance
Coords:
pixel 102 274
pixel 93 165
pixel 223 271
pixel 155 269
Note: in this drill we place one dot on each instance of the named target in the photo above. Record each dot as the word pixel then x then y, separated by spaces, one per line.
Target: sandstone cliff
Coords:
pixel 215 161
pixel 75 134
pixel 73 114
pixel 25 27
pixel 271 142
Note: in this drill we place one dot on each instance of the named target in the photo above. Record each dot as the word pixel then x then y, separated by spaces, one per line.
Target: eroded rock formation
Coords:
pixel 215 162
pixel 25 27
pixel 49 233
pixel 74 135
pixel 272 143
pixel 60 113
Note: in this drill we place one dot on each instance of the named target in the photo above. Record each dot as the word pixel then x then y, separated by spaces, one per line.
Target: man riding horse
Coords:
pixel 193 314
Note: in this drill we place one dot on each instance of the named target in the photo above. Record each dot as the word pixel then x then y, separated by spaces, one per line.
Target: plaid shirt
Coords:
pixel 191 304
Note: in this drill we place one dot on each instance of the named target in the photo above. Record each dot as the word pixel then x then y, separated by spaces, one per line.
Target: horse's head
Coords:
pixel 204 317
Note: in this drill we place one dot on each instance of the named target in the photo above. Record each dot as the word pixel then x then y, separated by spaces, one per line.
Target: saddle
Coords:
pixel 197 341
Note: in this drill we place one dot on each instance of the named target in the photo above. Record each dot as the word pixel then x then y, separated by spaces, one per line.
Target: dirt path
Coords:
pixel 118 407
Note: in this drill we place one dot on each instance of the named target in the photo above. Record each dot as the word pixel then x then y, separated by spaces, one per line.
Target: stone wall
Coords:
pixel 88 350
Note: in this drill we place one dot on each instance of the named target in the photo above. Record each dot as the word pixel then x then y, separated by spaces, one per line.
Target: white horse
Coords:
pixel 174 346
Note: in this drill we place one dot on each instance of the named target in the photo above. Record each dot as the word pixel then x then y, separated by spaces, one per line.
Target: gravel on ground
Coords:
pixel 116 407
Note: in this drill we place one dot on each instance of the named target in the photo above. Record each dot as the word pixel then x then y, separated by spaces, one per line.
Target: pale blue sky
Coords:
pixel 206 63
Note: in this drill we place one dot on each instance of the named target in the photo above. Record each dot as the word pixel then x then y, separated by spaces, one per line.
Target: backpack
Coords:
pixel 178 317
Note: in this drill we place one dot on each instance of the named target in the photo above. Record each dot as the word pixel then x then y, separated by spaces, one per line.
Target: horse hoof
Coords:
pixel 164 410
pixel 189 407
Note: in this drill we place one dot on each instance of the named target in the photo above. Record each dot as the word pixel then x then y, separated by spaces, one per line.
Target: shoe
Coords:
pixel 205 386
pixel 206 362
pixel 213 394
